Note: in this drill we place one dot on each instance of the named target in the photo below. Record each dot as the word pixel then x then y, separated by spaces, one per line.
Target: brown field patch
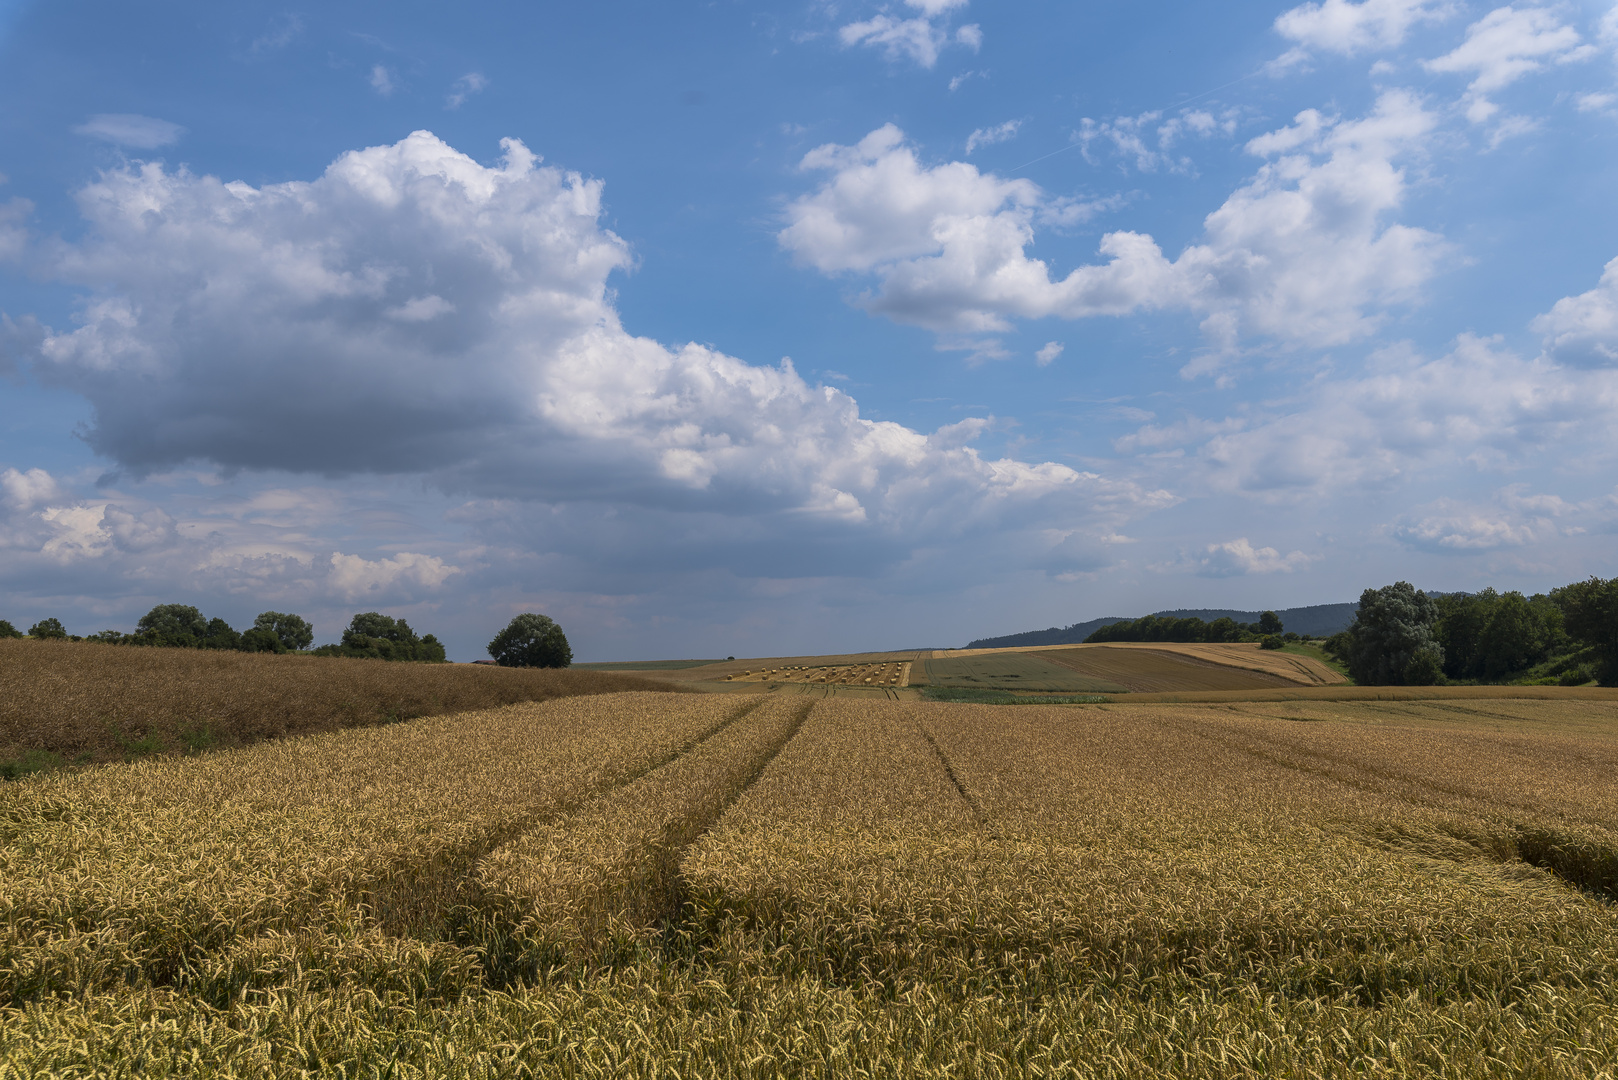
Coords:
pixel 1014 671
pixel 1291 667
pixel 92 702
pixel 1143 670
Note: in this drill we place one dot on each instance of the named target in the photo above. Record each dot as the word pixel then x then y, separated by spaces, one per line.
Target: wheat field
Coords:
pixel 85 701
pixel 756 886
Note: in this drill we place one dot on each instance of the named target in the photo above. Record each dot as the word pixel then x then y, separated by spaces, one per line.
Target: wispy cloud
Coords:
pixel 920 39
pixel 132 130
pixel 989 136
pixel 471 83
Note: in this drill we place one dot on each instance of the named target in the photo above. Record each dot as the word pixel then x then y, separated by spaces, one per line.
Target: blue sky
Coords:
pixel 754 328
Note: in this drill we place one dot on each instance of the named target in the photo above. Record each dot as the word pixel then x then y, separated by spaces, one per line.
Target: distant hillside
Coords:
pixel 1319 620
pixel 1056 635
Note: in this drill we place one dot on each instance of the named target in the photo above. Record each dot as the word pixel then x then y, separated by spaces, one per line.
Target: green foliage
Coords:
pixel 1590 616
pixel 9 631
pixel 1271 641
pixel 374 636
pixel 31 762
pixel 48 629
pixel 1391 642
pixel 172 625
pixel 1489 637
pixel 1270 623
pixel 1167 628
pixel 220 635
pixel 259 639
pixel 531 640
pixel 292 630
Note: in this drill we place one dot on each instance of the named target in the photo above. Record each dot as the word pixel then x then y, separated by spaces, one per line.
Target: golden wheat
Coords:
pixel 1275 888
pixel 133 872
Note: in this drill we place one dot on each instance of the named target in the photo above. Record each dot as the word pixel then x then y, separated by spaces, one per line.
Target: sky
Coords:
pixel 753 328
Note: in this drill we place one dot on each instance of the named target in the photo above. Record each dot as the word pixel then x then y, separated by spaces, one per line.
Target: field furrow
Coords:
pixel 137 871
pixel 610 867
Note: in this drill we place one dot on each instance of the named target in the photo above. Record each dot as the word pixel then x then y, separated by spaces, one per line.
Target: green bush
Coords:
pixel 9 631
pixel 46 629
pixel 1270 641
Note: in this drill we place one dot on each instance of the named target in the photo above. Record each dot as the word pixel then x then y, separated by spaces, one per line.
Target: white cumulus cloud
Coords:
pixel 1583 330
pixel 1239 557
pixel 1503 46
pixel 353 576
pixel 412 311
pixel 1347 28
pixel 1302 252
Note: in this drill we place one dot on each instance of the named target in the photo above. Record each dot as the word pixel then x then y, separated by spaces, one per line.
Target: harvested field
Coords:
pixel 84 701
pixel 717 672
pixel 643 665
pixel 872 675
pixel 754 886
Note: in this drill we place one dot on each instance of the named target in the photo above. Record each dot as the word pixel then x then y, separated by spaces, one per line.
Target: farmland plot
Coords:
pixel 1014 671
pixel 1143 669
pixel 830 888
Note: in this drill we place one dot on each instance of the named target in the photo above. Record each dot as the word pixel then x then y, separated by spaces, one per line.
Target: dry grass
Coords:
pixel 1294 888
pixel 82 701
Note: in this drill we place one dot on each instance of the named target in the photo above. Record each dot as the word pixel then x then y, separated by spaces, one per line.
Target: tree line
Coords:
pixel 1401 636
pixel 182 626
pixel 529 640
pixel 1268 631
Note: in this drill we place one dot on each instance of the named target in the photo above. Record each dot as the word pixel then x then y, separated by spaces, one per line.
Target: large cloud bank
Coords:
pixel 414 311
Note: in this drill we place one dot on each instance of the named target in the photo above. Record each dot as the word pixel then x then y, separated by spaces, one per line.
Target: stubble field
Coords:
pixel 759 885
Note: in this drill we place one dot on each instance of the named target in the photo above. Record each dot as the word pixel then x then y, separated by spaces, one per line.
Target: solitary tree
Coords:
pixel 1391 642
pixel 294 633
pixel 531 640
pixel 1270 623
